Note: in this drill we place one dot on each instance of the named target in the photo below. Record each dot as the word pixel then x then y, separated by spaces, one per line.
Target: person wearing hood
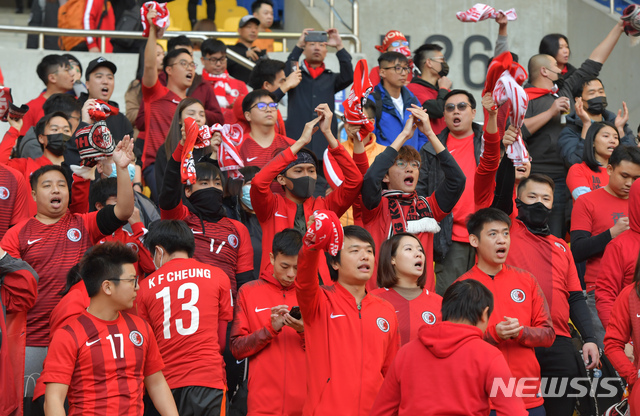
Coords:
pixel 522 321
pixel 467 366
pixel 220 241
pixel 295 169
pixel 591 107
pixel 534 249
pixel 265 331
pixel 393 41
pixel 600 216
pixel 619 260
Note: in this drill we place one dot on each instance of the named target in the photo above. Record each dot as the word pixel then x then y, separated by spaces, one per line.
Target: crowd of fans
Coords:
pixel 198 254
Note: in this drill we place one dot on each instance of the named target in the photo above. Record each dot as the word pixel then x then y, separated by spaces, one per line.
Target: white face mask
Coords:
pixel 161 258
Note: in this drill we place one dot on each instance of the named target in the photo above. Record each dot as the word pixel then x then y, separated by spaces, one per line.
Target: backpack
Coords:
pixel 130 21
pixel 71 16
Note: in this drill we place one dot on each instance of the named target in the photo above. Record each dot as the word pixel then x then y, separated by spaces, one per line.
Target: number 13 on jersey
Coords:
pixel 190 306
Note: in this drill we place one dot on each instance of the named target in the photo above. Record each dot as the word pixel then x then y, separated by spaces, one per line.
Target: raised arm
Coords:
pixel 604 49
pixel 150 74
pixel 122 157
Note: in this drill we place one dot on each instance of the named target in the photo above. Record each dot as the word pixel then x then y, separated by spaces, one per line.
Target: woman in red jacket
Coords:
pixel 624 325
pixel 402 274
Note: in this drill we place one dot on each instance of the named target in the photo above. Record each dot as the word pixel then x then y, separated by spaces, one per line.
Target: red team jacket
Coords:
pixel 516 294
pixel 278 212
pixel 413 314
pixel 466 367
pixel 104 363
pixel 14 198
pixel 349 349
pixel 277 376
pixel 184 301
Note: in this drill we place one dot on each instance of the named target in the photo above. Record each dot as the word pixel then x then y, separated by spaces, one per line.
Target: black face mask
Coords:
pixel 597 105
pixel 444 70
pixel 208 203
pixel 303 187
pixel 56 143
pixel 534 216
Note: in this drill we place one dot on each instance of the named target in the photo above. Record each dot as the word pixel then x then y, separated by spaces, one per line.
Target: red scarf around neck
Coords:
pixel 314 72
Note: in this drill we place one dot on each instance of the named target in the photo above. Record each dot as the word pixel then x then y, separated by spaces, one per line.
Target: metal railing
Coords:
pixel 355 17
pixel 104 34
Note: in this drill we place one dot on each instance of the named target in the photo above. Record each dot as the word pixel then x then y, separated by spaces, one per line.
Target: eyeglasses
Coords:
pixel 399 69
pixel 185 64
pixel 263 106
pixel 65 69
pixel 135 279
pixel 398 43
pixel 402 164
pixel 216 60
pixel 451 107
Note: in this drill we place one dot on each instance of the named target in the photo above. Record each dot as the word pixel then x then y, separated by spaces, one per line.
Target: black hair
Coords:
pixel 392 57
pixel 589 152
pixel 171 56
pixel 550 44
pixel 265 70
pixel 477 220
pixel 173 235
pixel 101 191
pixel 104 262
pixel 208 171
pixel 255 6
pixel 420 55
pixel 369 105
pixel 42 123
pixel 248 172
pixel 33 179
pixel 622 152
pixel 73 277
pixel 451 93
pixel 358 233
pixel 537 178
pixel 386 276
pixel 177 42
pixel 254 96
pixel 466 299
pixel 577 91
pixel 61 102
pixel 49 65
pixel 287 242
pixel 73 59
pixel 303 150
pixel 212 46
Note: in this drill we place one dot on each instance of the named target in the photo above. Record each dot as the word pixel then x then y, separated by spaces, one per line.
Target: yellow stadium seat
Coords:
pixel 179 17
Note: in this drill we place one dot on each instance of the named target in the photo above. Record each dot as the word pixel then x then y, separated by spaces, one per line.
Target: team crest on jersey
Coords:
pixel 383 324
pixel 517 295
pixel 74 235
pixel 561 246
pixel 136 338
pixel 133 246
pixel 233 240
pixel 4 192
pixel 428 317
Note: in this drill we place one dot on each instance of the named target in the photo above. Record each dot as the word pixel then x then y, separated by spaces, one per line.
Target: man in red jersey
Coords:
pixel 295 169
pixel 521 320
pixel 466 366
pixel 534 249
pixel 18 291
pixel 351 337
pixel 261 143
pixel 55 239
pixel 14 198
pixel 272 339
pixel 220 241
pixel 100 359
pixel 187 303
pixel 600 216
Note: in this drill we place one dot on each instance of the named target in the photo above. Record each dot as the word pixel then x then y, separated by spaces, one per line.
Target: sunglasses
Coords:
pixel 451 107
pixel 398 43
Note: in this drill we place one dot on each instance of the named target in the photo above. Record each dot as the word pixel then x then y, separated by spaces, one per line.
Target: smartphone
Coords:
pixel 294 66
pixel 316 36
pixel 295 312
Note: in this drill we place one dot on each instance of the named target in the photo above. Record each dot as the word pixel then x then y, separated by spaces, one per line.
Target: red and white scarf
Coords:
pixel 357 98
pixel 5 102
pixel 228 154
pixel 161 21
pixel 102 110
pixel 418 219
pixel 221 87
pixel 481 12
pixel 326 232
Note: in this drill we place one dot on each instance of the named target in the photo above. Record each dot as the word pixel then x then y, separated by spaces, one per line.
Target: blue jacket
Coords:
pixel 390 123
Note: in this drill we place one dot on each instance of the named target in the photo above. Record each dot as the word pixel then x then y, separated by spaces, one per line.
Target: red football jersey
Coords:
pixel 183 301
pixel 104 363
pixel 225 244
pixel 160 103
pixel 255 155
pixel 51 249
pixel 412 314
pixel 135 242
pixel 14 197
